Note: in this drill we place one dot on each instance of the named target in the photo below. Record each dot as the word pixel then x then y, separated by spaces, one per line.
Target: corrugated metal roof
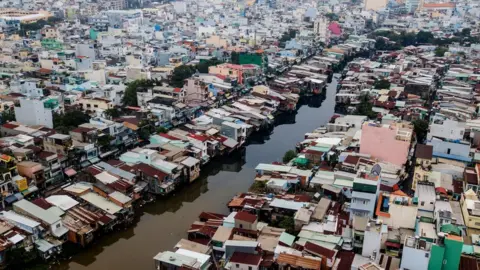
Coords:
pixel 272 167
pixel 299 261
pixel 285 204
pixel 102 203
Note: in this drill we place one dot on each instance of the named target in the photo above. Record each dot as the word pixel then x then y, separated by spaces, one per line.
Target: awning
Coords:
pixel 391 244
pixel 70 172
pixel 30 189
pixel 94 160
pixel 85 164
pixel 11 199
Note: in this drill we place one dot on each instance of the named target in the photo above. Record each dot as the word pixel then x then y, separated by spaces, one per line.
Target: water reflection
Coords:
pixel 161 224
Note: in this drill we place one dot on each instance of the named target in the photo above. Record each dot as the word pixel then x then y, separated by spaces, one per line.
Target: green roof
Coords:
pixel 301 161
pixel 287 238
pixel 450 228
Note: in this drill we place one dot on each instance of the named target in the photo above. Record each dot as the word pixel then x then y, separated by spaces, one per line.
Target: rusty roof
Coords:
pixel 298 261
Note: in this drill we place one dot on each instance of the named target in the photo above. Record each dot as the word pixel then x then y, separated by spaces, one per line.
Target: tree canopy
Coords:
pixel 112 113
pixel 181 73
pixel 382 84
pixel 130 95
pixel 440 51
pixel 420 127
pixel 203 66
pixel 365 107
pixel 289 155
pixel 69 120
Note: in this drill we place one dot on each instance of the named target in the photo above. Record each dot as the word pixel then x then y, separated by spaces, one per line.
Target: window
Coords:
pixel 426 255
pixel 249 268
pixel 422 204
pixel 237 265
pixel 58 225
pixel 241 226
pixel 448 151
pixel 96 106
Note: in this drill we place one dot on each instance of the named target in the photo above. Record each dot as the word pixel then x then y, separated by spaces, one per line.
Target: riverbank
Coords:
pixel 166 221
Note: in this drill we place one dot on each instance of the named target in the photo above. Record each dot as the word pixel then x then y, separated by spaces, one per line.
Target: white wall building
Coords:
pixel 320 28
pixel 33 112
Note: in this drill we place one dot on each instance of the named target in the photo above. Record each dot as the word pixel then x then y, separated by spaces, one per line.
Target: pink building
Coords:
pixel 389 143
pixel 241 73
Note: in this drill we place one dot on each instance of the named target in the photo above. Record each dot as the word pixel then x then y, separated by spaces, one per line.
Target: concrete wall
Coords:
pixel 32 112
pixel 371 242
pixel 449 129
pixel 415 259
pixel 241 266
pixel 455 148
pixel 401 216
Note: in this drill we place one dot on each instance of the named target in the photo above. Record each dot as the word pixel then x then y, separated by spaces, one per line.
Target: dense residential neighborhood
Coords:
pixel 252 135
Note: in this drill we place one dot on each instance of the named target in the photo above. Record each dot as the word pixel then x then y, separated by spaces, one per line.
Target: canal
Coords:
pixel 164 222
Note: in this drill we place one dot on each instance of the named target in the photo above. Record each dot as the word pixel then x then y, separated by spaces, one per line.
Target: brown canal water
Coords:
pixel 164 222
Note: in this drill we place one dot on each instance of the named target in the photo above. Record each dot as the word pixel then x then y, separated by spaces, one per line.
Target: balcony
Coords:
pixel 55 166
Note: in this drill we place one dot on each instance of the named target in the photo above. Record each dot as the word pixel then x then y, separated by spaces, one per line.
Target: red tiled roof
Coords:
pixel 210 215
pixel 10 126
pixel 319 250
pixel 149 170
pixel 198 137
pixel 176 90
pixel 245 216
pixel 352 159
pixel 120 185
pixel 45 154
pixel 246 258
pixel 45 70
pixel 115 162
pixel 346 260
pixel 42 203
pixel 92 170
pixel 168 136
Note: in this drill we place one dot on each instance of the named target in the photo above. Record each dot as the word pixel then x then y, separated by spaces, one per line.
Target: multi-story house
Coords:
pixel 58 143
pixel 52 168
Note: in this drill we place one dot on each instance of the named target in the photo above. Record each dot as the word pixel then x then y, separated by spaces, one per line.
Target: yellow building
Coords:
pixel 470 209
pixel 94 104
pixel 217 42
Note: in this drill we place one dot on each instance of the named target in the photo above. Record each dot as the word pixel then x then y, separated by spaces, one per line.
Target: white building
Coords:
pixel 33 112
pixel 320 28
pixel 416 254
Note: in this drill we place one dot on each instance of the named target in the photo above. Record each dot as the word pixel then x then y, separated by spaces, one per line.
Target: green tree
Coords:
pixel 408 39
pixel 381 44
pixel 67 121
pixel 289 155
pixel 162 130
pixel 288 224
pixel 7 116
pixel 382 84
pixel 365 107
pixel 112 113
pixel 420 127
pixel 440 51
pixel 258 186
pixel 130 95
pixel 466 32
pixel 203 66
pixel 424 37
pixel 235 58
pixel 332 16
pixel 180 74
pixel 104 141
